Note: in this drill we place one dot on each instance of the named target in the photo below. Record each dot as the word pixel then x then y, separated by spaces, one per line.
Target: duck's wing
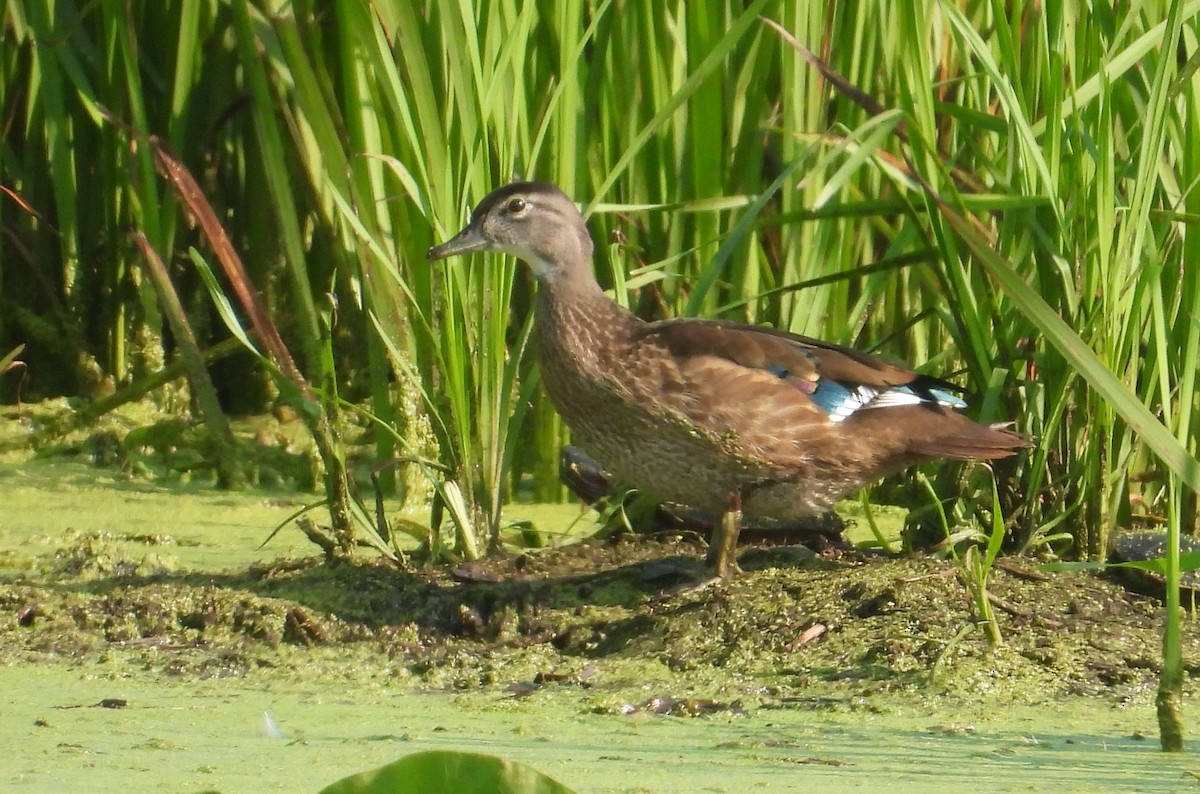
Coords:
pixel 837 381
pixel 772 388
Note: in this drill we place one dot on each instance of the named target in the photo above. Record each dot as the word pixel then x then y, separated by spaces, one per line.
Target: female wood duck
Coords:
pixel 715 415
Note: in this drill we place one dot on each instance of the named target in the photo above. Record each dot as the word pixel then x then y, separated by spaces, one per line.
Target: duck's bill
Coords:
pixel 467 241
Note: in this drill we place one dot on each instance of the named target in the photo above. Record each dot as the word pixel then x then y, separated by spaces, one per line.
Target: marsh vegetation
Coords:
pixel 223 208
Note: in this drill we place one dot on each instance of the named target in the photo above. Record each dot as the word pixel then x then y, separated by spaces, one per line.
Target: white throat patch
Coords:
pixel 540 267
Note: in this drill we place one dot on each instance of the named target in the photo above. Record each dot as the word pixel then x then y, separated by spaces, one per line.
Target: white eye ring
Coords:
pixel 517 206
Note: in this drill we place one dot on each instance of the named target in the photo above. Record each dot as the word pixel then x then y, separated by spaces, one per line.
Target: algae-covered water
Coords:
pixel 149 645
pixel 189 735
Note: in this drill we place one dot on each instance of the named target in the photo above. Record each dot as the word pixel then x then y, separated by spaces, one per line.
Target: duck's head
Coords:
pixel 533 221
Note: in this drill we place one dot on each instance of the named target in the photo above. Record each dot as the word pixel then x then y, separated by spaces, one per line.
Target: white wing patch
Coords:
pixel 894 398
pixel 841 402
pixel 851 401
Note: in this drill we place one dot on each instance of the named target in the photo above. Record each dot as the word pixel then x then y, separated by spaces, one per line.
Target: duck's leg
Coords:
pixel 722 550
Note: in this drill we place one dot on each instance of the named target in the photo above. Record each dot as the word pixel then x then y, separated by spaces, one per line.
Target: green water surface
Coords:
pixel 299 725
pixel 214 734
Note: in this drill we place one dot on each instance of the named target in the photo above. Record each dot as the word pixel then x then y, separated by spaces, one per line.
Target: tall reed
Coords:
pixel 343 141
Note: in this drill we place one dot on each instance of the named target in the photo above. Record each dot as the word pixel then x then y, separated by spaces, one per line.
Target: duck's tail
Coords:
pixel 956 437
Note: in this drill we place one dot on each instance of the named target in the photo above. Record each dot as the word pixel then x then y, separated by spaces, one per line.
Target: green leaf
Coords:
pixel 224 307
pixel 10 357
pixel 449 771
pixel 1189 561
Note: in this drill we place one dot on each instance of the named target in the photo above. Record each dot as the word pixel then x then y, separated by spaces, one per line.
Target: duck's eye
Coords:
pixel 517 206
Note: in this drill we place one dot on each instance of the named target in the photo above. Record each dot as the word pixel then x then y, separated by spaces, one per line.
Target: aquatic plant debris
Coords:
pixel 851 625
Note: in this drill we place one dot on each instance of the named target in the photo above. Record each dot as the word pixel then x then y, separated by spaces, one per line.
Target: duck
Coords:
pixel 737 420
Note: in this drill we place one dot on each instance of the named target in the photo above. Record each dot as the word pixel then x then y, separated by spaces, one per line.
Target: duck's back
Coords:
pixel 691 411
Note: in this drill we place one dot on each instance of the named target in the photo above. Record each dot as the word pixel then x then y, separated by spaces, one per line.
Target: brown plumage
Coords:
pixel 714 415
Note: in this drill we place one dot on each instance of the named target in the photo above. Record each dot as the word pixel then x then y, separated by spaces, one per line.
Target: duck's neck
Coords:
pixel 571 305
pixel 568 282
pixel 582 336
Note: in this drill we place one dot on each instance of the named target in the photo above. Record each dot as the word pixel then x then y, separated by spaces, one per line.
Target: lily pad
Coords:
pixel 449 771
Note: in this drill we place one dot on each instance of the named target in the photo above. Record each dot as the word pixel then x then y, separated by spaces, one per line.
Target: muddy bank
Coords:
pixel 820 629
